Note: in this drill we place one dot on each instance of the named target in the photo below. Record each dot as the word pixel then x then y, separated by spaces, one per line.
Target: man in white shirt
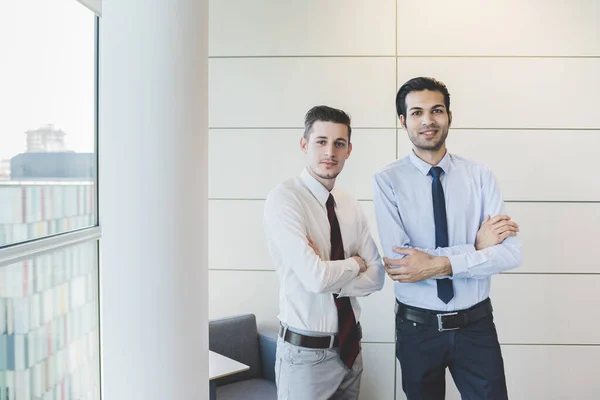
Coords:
pixel 324 255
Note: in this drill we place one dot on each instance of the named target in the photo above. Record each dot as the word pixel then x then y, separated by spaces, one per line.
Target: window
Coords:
pixel 47 126
pixel 49 311
pixel 49 326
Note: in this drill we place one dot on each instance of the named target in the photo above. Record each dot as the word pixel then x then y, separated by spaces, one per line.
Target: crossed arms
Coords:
pixel 496 249
pixel 287 231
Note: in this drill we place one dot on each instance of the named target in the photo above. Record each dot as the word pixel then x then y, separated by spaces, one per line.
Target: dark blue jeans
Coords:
pixel 472 354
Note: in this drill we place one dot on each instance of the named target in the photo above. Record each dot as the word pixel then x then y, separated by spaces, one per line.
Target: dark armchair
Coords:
pixel 237 337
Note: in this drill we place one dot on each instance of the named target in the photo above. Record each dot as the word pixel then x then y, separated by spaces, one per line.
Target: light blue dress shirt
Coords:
pixel 404 212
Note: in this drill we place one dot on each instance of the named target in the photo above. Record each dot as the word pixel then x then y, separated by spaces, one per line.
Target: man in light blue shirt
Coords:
pixel 443 230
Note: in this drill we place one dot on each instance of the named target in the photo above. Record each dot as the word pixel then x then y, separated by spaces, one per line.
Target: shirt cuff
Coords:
pixel 355 269
pixel 353 266
pixel 460 265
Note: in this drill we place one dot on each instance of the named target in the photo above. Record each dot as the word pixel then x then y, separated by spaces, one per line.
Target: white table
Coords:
pixel 220 366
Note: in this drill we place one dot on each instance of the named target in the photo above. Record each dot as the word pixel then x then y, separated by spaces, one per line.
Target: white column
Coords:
pixel 153 199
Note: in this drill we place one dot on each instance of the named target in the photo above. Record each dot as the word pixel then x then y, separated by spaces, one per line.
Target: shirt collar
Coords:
pixel 424 167
pixel 316 188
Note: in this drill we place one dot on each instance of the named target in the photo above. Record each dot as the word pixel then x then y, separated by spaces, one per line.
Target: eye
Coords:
pixel 321 142
pixel 416 113
pixel 340 144
pixel 437 110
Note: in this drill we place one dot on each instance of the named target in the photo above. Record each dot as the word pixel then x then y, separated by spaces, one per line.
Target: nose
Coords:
pixel 427 119
pixel 329 150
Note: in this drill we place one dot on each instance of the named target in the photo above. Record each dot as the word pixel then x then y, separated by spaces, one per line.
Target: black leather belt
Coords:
pixel 312 342
pixel 445 321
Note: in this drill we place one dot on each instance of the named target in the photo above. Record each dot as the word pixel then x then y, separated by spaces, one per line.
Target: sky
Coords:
pixel 46 72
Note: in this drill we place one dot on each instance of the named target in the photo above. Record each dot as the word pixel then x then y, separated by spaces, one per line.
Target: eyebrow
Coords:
pixel 337 140
pixel 420 108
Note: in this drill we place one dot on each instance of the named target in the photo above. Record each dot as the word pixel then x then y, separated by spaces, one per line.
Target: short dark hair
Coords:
pixel 325 114
pixel 418 85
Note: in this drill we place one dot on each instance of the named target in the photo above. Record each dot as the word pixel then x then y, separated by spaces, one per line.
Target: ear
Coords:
pixel 349 150
pixel 303 144
pixel 403 121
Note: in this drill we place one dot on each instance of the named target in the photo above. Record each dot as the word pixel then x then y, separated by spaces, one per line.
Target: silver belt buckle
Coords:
pixel 440 319
pixel 331 341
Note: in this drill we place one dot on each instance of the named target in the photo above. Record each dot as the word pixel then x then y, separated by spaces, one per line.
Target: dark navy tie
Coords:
pixel 444 286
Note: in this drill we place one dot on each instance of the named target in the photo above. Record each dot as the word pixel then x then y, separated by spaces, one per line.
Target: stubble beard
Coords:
pixel 427 146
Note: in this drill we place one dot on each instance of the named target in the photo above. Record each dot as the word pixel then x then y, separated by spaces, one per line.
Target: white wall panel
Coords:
pixel 514 93
pixel 557 237
pixel 546 309
pixel 378 374
pixel 257 292
pixel 377 314
pixel 552 372
pixel 544 230
pixel 284 28
pixel 247 164
pixel 241 292
pixel 369 210
pixel 499 28
pixel 277 92
pixel 371 151
pixel 529 164
pixel 236 237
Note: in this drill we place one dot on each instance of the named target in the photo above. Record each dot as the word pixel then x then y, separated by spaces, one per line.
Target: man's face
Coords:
pixel 327 149
pixel 427 120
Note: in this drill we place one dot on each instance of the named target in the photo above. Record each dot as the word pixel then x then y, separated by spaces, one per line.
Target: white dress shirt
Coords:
pixel 294 211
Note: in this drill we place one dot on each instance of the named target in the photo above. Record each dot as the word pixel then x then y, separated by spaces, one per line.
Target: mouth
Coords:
pixel 429 133
pixel 328 163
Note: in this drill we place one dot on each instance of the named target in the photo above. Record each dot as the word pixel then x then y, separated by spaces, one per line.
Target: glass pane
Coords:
pixel 47 134
pixel 49 347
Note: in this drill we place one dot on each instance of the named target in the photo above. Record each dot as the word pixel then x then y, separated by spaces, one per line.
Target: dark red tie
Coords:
pixel 348 336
